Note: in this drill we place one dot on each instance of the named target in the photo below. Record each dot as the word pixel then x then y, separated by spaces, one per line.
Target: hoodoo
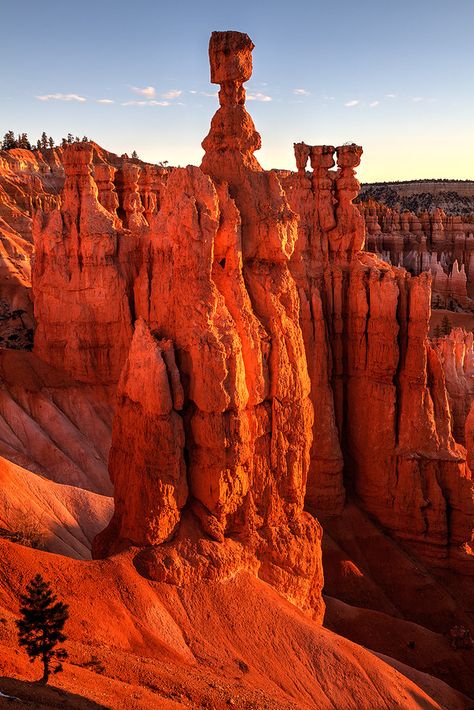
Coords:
pixel 387 383
pixel 222 370
pixel 267 367
pixel 215 282
pixel 80 277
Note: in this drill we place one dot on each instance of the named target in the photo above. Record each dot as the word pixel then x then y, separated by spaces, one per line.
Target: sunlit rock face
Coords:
pixel 82 307
pixel 266 366
pixel 228 458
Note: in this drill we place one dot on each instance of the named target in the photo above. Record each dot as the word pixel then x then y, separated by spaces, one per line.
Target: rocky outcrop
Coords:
pixel 147 466
pixel 469 435
pixel 80 279
pixel 88 253
pixel 32 180
pixel 27 180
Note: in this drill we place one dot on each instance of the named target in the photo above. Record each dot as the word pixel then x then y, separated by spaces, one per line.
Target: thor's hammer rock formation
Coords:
pixel 266 366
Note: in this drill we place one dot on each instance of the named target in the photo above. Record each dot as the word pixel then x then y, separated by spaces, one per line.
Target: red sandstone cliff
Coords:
pixel 34 180
pixel 84 324
pixel 27 181
pixel 286 367
pixel 390 400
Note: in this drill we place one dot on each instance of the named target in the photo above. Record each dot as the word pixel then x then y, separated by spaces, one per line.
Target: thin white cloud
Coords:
pixel 329 98
pixel 390 96
pixel 212 94
pixel 259 97
pixel 172 94
pixel 301 92
pixel 61 97
pixel 192 91
pixel 148 91
pixel 373 104
pixel 105 101
pixel 352 103
pixel 146 103
pixel 417 99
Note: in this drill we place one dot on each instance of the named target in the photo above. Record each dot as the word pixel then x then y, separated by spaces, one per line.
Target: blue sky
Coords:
pixel 396 76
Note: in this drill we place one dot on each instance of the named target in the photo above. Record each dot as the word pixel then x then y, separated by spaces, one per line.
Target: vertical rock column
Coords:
pixel 388 385
pixel 312 199
pixel 283 415
pixel 81 295
pixel 456 352
pixel 104 178
pixel 400 457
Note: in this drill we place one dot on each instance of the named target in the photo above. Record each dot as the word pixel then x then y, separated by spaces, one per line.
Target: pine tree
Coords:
pixel 85 139
pixel 38 144
pixel 437 331
pixel 23 141
pixel 135 155
pixel 51 142
pixel 41 627
pixel 445 326
pixel 70 138
pixel 9 141
pixel 44 140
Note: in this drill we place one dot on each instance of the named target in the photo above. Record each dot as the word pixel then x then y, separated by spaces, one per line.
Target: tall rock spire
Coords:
pixel 216 288
pixel 232 136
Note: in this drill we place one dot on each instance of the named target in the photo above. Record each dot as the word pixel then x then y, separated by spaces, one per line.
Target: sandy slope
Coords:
pixel 233 643
pixel 53 426
pixel 66 518
pixel 380 596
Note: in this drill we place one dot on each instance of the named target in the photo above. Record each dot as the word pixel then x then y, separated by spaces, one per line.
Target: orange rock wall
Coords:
pixel 27 181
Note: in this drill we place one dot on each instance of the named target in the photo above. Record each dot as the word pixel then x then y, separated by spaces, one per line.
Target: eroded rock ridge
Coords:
pixel 433 241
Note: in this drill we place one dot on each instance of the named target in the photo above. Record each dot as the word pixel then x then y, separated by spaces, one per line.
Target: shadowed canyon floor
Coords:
pixel 238 413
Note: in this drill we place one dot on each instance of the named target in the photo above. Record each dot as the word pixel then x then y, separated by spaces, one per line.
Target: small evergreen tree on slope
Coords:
pixel 40 628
